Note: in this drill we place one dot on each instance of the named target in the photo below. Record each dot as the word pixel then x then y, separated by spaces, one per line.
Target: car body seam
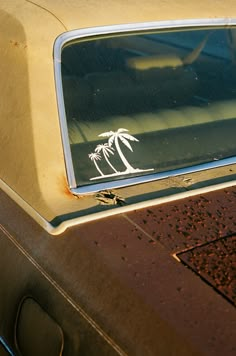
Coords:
pixel 63 293
pixel 50 12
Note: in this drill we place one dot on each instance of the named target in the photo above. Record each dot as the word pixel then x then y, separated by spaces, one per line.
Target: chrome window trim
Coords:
pixel 152 177
pixel 6 346
pixel 112 29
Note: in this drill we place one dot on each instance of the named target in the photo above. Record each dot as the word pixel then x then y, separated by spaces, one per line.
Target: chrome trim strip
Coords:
pixel 6 347
pixel 152 177
pixel 123 28
pixel 133 27
pixel 63 125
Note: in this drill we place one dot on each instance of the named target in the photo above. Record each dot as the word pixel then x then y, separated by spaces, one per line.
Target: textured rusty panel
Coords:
pixel 190 222
pixel 130 285
pixel 216 263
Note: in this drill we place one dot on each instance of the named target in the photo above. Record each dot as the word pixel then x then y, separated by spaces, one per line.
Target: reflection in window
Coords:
pixel 150 102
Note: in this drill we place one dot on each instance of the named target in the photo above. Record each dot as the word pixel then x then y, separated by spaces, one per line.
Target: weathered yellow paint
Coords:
pixel 87 13
pixel 31 154
pixel 31 157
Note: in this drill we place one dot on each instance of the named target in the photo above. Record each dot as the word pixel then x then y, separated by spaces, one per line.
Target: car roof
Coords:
pixel 85 13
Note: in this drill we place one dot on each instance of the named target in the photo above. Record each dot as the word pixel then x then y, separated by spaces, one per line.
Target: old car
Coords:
pixel 117 177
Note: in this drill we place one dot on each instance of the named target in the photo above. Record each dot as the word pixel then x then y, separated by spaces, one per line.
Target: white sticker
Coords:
pixel 104 150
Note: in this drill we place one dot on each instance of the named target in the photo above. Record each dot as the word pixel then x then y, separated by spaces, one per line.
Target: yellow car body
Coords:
pixel 86 292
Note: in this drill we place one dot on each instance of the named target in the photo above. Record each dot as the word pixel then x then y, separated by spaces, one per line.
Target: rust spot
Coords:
pixel 18 44
pixel 190 222
pixel 15 43
pixel 109 197
pixel 153 242
pixel 64 189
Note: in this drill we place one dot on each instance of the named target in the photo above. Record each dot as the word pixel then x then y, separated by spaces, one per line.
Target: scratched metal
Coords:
pixel 216 263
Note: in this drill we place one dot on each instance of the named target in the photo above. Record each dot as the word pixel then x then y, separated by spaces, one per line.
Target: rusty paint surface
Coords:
pixel 190 222
pixel 197 227
pixel 216 263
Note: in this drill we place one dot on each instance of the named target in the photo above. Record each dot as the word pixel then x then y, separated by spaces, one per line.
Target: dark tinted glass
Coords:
pixel 150 102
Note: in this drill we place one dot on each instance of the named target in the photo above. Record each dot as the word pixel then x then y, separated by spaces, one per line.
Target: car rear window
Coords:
pixel 146 103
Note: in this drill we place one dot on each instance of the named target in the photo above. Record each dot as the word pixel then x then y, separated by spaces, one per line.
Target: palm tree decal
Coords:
pixel 114 137
pixel 106 151
pixel 96 157
pixel 120 134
